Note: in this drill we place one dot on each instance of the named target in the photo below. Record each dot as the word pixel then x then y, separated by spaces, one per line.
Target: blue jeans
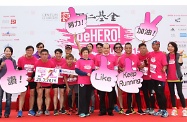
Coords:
pixel 8 102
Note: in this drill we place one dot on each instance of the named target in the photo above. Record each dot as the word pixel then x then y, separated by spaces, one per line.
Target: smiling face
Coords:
pixel 128 49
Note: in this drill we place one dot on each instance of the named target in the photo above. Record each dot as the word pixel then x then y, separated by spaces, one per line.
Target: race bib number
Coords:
pixel 144 71
pixel 152 68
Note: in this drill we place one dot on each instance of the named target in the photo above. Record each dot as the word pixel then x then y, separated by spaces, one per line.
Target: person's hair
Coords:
pixel 69 56
pixel 90 44
pixel 128 44
pixel 10 48
pixel 40 43
pixel 58 50
pixel 107 44
pixel 141 44
pixel 29 47
pixel 100 44
pixel 115 46
pixel 175 46
pixel 44 50
pixel 83 49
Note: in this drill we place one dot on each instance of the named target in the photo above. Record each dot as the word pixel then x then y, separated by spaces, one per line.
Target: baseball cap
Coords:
pixel 156 42
pixel 68 46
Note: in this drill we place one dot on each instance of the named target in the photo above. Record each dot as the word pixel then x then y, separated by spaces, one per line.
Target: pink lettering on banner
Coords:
pixel 103 33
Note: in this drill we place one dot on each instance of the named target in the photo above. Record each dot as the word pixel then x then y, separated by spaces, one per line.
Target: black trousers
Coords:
pixel 179 91
pixel 84 98
pixel 115 96
pixel 138 100
pixel 147 88
pixel 159 87
pixel 110 100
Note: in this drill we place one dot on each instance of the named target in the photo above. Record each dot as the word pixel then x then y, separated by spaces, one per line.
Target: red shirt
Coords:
pixel 145 70
pixel 48 64
pixel 27 64
pixel 157 62
pixel 134 58
pixel 71 81
pixel 58 64
pixel 111 61
pixel 172 68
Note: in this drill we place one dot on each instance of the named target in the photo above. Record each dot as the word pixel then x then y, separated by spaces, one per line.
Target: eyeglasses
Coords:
pixel 117 47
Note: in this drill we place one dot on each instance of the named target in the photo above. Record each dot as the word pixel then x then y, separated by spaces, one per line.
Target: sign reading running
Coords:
pixel 130 80
pixel 46 75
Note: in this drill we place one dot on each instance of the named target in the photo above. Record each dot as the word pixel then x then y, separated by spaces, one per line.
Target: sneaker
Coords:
pixel 31 113
pixel 62 111
pixel 158 113
pixel 47 113
pixel 128 112
pixel 56 112
pixel 91 109
pixel 82 115
pixel 20 113
pixel 151 111
pixel 116 108
pixel 133 111
pixel 69 112
pixel 87 114
pixel 140 112
pixel 121 111
pixel 164 113
pixel 174 112
pixel 147 111
pixel 39 113
pixel 184 112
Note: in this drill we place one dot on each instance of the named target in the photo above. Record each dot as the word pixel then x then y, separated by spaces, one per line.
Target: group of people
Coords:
pixel 158 68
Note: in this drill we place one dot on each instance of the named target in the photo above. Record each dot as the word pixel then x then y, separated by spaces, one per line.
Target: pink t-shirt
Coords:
pixel 85 66
pixel 71 81
pixel 48 64
pixel 133 58
pixel 172 68
pixel 58 64
pixel 145 70
pixel 157 62
pixel 27 64
pixel 111 61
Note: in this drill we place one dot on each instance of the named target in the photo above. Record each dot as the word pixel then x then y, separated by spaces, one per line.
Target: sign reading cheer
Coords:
pixel 46 75
pixel 129 80
pixel 14 81
pixel 75 24
pixel 147 31
pixel 104 79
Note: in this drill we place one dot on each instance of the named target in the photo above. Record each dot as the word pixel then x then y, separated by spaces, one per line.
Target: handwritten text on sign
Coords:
pixel 46 75
pixel 129 80
pixel 104 79
pixel 14 81
pixel 75 24
pixel 147 30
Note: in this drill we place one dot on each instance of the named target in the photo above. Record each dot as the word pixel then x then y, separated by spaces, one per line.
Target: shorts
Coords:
pixel 61 86
pixel 31 85
pixel 73 88
pixel 46 87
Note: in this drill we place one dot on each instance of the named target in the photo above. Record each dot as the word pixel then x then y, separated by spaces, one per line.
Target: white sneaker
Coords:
pixel 184 112
pixel 174 112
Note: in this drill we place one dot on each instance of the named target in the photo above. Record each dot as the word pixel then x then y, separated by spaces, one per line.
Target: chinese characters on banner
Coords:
pixel 101 16
pixel 147 30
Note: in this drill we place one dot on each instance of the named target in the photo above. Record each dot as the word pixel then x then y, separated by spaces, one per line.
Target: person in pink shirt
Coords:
pixel 158 66
pixel 27 62
pixel 174 77
pixel 84 67
pixel 147 84
pixel 135 66
pixel 111 65
pixel 46 63
pixel 58 61
pixel 71 83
